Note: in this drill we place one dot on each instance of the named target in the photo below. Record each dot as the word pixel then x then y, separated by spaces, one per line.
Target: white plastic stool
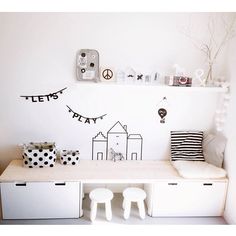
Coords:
pixel 100 195
pixel 134 195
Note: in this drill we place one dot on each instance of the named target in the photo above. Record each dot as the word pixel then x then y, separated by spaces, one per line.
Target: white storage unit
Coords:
pixel 37 200
pixel 186 198
pixel 57 192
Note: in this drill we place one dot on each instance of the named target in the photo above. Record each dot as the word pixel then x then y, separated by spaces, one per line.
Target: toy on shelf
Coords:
pixel 116 156
pixel 179 81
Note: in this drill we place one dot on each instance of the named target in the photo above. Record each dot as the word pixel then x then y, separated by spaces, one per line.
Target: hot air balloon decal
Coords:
pixel 162 112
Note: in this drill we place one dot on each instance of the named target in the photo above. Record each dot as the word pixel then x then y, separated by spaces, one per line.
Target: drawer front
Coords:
pixel 189 198
pixel 37 200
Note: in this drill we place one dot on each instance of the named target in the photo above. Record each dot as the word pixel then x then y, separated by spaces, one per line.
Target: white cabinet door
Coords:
pixel 35 200
pixel 189 198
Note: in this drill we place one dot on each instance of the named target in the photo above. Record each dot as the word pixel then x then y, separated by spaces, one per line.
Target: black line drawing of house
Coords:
pixel 131 146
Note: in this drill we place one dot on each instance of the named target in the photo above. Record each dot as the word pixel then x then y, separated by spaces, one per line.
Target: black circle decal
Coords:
pixel 107 74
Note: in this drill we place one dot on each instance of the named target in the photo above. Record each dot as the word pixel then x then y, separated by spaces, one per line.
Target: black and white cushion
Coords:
pixel 186 146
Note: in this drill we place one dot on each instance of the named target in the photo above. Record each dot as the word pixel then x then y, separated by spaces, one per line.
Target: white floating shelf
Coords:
pixel 161 87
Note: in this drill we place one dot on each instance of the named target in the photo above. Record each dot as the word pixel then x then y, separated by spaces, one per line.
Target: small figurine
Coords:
pixel 116 156
pixel 179 71
pixel 199 74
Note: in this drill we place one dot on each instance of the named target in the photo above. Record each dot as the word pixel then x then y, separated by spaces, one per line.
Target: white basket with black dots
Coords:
pixel 39 155
pixel 69 157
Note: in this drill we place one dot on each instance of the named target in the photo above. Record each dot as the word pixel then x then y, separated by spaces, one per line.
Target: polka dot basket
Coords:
pixel 39 155
pixel 69 157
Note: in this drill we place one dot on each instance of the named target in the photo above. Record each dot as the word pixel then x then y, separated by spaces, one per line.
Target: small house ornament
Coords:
pixel 130 75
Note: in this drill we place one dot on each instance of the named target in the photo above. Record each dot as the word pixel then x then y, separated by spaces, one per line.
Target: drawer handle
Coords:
pixel 207 184
pixel 172 183
pixel 60 184
pixel 22 184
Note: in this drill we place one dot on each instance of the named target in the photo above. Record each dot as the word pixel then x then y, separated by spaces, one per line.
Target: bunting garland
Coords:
pixel 44 98
pixel 85 119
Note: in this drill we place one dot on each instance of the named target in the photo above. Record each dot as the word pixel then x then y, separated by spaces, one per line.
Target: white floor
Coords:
pixel 118 218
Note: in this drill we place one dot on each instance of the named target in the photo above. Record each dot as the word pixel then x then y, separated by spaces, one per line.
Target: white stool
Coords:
pixel 133 195
pixel 100 195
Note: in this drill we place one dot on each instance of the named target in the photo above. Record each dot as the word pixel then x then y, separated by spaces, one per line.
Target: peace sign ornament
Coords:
pixel 107 74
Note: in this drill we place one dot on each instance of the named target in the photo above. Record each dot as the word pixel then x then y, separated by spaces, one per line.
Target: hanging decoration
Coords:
pixel 221 112
pixel 44 98
pixel 162 112
pixel 85 119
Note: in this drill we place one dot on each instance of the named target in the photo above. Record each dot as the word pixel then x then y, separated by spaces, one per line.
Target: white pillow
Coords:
pixel 198 170
pixel 214 148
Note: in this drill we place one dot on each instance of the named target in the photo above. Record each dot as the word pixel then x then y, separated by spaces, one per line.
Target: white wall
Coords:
pixel 37 56
pixel 230 160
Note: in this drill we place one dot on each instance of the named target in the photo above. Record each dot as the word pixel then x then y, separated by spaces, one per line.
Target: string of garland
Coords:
pixel 45 97
pixel 85 119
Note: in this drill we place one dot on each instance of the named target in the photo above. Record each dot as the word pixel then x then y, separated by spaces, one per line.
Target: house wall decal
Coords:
pixel 99 147
pixel 118 139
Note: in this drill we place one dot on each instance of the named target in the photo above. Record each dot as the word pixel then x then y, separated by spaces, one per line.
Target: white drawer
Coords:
pixel 186 198
pixel 35 200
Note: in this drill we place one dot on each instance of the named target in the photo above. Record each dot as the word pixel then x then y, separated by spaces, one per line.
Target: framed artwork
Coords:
pixel 87 65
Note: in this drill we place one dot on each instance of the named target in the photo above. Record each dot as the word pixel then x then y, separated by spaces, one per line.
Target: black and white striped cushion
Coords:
pixel 186 146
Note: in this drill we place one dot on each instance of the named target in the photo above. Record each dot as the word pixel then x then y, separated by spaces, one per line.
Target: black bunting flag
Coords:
pixel 84 119
pixel 45 97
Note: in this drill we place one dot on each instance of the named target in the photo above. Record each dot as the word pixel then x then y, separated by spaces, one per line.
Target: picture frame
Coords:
pixel 87 65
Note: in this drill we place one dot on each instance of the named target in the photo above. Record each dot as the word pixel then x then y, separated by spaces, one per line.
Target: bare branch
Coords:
pixel 225 39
